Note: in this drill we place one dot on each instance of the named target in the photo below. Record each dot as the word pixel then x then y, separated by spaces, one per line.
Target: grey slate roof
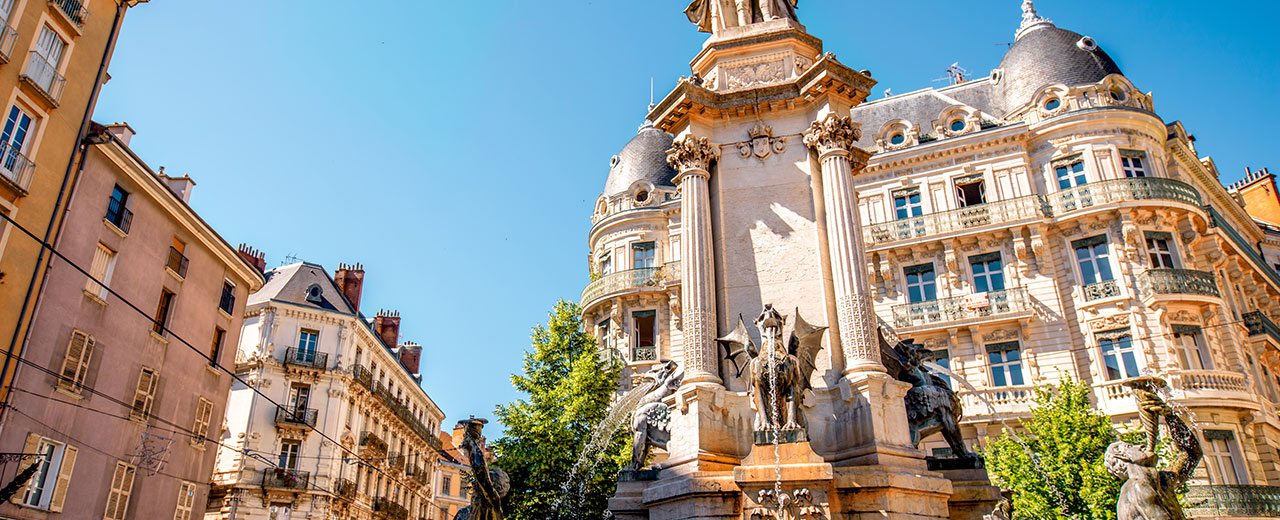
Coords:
pixel 643 158
pixel 1049 55
pixel 290 283
pixel 922 107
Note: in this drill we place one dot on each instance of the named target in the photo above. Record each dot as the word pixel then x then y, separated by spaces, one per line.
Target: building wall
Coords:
pixel 452 498
pixel 125 343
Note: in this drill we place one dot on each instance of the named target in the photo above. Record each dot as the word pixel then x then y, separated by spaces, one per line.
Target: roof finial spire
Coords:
pixel 1030 18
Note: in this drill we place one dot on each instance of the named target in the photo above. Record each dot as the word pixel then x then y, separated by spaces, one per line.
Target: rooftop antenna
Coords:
pixel 955 74
pixel 291 259
pixel 651 105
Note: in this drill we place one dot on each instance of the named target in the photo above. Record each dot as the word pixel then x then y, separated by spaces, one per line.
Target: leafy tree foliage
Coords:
pixel 1070 438
pixel 568 391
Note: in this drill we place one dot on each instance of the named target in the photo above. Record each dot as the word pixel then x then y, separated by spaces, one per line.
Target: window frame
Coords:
pixel 1133 164
pixel 186 490
pixel 644 255
pixel 164 309
pixel 912 203
pixel 1157 258
pixel 1120 343
pixel 144 399
pixel 924 287
pixel 120 493
pixel 122 217
pixel 103 266
pixel 989 275
pixel 227 301
pixel 203 419
pixel 80 362
pixel 1004 365
pixel 1070 172
pixel 1199 347
pixel 1098 262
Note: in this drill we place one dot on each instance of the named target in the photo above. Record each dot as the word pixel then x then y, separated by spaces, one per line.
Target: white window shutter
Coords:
pixel 64 478
pixel 75 366
pixel 145 393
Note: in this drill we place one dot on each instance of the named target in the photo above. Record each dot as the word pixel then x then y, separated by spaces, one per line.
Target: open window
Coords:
pixel 970 190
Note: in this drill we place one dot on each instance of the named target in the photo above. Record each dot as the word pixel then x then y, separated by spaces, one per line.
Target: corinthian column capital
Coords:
pixel 691 155
pixel 832 134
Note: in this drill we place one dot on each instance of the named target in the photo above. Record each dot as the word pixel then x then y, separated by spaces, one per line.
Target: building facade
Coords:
pixel 118 389
pixel 450 481
pixel 53 57
pixel 335 423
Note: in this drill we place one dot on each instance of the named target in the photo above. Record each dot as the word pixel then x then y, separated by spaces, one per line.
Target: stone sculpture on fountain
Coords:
pixel 651 421
pixel 488 486
pixel 932 406
pixel 1149 493
pixel 776 394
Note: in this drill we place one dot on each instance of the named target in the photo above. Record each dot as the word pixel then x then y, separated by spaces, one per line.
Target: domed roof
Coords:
pixel 644 158
pixel 1044 55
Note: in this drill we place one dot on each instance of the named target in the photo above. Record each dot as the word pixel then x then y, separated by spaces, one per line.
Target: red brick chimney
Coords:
pixel 411 356
pixel 387 325
pixel 256 258
pixel 350 280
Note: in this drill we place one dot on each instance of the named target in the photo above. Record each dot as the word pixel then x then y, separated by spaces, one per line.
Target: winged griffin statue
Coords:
pixel 777 397
pixel 651 420
pixel 932 406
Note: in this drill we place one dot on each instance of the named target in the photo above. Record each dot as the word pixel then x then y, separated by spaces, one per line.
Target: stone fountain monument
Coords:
pixel 823 425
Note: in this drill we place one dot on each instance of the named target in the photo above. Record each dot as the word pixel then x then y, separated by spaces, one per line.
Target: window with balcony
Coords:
pixel 907 204
pixel 642 255
pixel 970 191
pixel 75 364
pixel 215 350
pixel 299 396
pixel 1094 259
pixel 47 488
pixel 307 341
pixel 121 489
pixel 163 310
pixel 289 453
pixel 606 264
pixel 645 334
pixel 227 303
pixel 1133 163
pixel 1005 360
pixel 1070 173
pixel 45 61
pixel 1193 352
pixel 1160 250
pixel 921 283
pixel 118 213
pixel 177 262
pixel 104 264
pixel 1223 458
pixel 988 272
pixel 14 165
pixel 1120 358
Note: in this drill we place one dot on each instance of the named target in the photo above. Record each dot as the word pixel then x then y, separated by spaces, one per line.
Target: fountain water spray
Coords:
pixel 776 426
pixel 574 487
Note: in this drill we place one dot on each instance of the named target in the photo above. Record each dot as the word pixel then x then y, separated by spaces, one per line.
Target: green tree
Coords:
pixel 1069 438
pixel 568 391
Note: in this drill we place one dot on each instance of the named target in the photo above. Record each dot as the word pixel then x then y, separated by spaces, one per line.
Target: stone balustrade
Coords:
pixel 1110 191
pixel 974 307
pixel 972 217
pixel 1232 501
pixel 630 280
pixel 1191 382
pixel 1175 282
pixel 997 401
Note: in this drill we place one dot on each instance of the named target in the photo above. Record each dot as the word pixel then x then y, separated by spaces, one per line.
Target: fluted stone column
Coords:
pixel 832 138
pixel 692 157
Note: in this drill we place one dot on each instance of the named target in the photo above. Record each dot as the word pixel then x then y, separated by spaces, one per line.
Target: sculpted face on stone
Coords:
pixel 779 372
pixel 713 16
pixel 651 421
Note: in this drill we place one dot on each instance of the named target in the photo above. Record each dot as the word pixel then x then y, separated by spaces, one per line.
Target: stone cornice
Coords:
pixel 947 147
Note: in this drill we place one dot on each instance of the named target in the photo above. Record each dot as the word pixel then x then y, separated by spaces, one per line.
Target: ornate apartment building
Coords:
pixel 345 430
pixel 451 477
pixel 1040 223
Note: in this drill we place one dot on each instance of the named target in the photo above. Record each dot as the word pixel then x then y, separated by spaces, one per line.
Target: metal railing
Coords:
pixel 177 262
pixel 44 75
pixel 364 376
pixel 74 9
pixel 385 508
pixel 1100 290
pixel 396 461
pixel 1249 250
pixel 644 353
pixel 295 416
pixel 7 39
pixel 1228 501
pixel 1176 281
pixel 282 478
pixel 959 308
pixel 1259 324
pixel 344 489
pixel 1122 190
pixel 373 442
pixel 306 358
pixel 1030 206
pixel 118 215
pixel 16 167
pixel 630 279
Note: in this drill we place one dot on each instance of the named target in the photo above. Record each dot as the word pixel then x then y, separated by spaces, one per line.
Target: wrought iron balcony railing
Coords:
pixel 74 9
pixel 1122 190
pixel 177 262
pixel 286 416
pixel 1232 501
pixel 1001 211
pixel 1259 324
pixel 373 442
pixel 281 478
pixel 385 508
pixel 44 75
pixel 613 283
pixel 1154 282
pixel 1100 290
pixel 364 376
pixel 982 305
pixel 306 358
pixel 644 354
pixel 7 39
pixel 344 489
pixel 16 167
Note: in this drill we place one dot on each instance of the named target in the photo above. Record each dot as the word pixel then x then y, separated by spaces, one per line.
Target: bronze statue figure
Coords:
pixel 1147 492
pixel 932 406
pixel 488 486
pixel 777 395
pixel 651 420
pixel 712 16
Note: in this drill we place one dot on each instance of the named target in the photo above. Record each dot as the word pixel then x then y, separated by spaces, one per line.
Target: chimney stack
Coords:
pixel 256 258
pixel 350 280
pixel 180 186
pixel 121 132
pixel 411 357
pixel 387 325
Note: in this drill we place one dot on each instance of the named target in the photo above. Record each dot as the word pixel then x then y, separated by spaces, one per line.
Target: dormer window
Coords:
pixel 897 138
pixel 957 125
pixel 313 293
pixel 1052 104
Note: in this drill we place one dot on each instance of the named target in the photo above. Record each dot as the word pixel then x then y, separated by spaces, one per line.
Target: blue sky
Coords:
pixel 456 148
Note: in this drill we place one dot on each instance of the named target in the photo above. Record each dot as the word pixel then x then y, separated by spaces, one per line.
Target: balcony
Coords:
pixel 385 508
pixel 630 280
pixel 281 478
pixel 997 401
pixel 176 262
pixel 1100 290
pixel 1259 324
pixel 74 9
pixel 306 358
pixel 1214 386
pixel 362 375
pixel 1232 501
pixel 971 308
pixel 295 417
pixel 344 489
pixel 44 75
pixel 396 461
pixel 371 443
pixel 7 39
pixel 642 354
pixel 998 212
pixel 1176 282
pixel 15 168
pixel 1246 247
pixel 1122 190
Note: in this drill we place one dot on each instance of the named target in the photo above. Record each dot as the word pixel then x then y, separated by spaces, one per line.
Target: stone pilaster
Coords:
pixel 832 138
pixel 692 157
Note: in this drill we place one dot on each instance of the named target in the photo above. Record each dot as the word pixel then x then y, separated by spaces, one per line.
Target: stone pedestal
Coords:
pixel 972 495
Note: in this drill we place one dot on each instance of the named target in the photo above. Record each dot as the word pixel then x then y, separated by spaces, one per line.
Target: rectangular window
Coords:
pixel 13 141
pixel 971 191
pixel 289 452
pixel 75 365
pixel 1133 163
pixel 988 273
pixel 1093 258
pixel 1226 466
pixel 228 300
pixel 646 323
pixel 299 396
pixel 307 341
pixel 1160 251
pixel 1070 174
pixel 942 358
pixel 50 46
pixel 1006 364
pixel 144 394
pixel 121 488
pixel 642 255
pixel 186 499
pixel 921 285
pixel 104 263
pixel 602 334
pixel 177 261
pixel 118 213
pixel 204 414
pixel 1119 357
pixel 47 488
pixel 906 203
pixel 163 310
pixel 215 350
pixel 606 264
pixel 446 485
pixel 1193 352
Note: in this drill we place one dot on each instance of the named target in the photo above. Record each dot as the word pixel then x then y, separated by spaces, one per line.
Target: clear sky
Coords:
pixel 456 148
